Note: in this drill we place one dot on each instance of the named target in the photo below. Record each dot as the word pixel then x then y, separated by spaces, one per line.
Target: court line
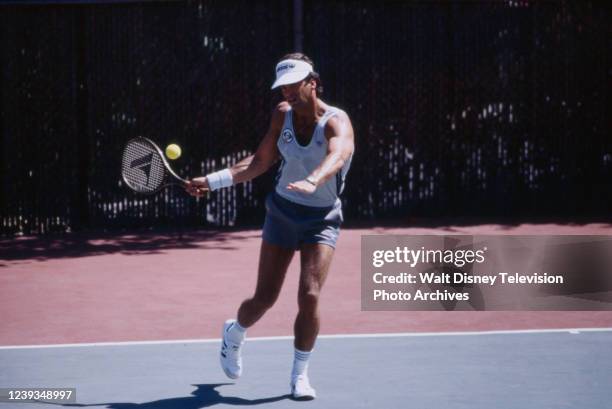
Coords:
pixel 331 336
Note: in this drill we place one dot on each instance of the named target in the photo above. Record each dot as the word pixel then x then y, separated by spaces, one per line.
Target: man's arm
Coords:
pixel 340 147
pixel 253 165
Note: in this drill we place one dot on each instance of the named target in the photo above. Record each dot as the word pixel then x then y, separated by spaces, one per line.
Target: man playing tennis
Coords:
pixel 315 143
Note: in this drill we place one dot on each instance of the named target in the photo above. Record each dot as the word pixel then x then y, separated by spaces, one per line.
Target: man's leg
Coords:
pixel 273 263
pixel 315 262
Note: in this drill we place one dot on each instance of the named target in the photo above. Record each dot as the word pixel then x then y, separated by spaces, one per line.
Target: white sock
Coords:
pixel 236 333
pixel 300 362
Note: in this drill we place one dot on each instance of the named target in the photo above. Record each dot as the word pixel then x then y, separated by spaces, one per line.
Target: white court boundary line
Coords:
pixel 332 336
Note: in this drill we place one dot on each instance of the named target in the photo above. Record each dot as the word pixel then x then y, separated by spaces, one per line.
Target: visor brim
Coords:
pixel 290 78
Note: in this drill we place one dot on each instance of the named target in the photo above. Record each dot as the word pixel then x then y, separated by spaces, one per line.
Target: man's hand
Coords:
pixel 302 186
pixel 197 187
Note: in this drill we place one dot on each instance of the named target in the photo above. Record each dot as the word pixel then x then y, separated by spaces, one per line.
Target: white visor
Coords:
pixel 290 72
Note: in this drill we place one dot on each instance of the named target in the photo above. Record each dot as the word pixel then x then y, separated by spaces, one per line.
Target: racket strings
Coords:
pixel 142 167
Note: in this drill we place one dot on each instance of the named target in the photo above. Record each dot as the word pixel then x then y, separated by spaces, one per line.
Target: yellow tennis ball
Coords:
pixel 173 151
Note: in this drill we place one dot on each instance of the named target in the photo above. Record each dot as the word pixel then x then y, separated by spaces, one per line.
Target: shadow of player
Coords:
pixel 204 396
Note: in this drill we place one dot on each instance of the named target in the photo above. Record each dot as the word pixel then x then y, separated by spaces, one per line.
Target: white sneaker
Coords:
pixel 231 360
pixel 301 389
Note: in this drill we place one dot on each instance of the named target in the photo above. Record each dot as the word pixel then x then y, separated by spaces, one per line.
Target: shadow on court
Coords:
pixel 75 245
pixel 136 242
pixel 204 396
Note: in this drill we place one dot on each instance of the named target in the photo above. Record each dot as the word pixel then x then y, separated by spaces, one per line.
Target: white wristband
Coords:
pixel 222 178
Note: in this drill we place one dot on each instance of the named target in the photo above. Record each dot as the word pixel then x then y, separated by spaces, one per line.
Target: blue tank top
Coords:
pixel 299 161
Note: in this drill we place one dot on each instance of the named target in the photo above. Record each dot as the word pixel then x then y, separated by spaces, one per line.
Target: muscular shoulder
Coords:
pixel 338 124
pixel 341 118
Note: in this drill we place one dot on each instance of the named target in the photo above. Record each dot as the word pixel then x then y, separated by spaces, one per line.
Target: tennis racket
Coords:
pixel 144 168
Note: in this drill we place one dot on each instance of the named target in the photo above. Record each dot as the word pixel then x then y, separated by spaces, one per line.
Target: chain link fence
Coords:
pixel 486 109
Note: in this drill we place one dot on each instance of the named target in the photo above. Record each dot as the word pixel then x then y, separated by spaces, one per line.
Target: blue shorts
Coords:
pixel 289 224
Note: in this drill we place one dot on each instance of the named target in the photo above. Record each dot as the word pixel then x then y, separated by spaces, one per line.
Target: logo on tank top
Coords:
pixel 287 135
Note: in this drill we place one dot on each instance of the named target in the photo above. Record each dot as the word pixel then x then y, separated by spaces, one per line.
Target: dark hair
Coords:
pixel 313 75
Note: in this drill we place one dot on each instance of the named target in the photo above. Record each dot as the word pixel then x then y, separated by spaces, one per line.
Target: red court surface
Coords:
pixel 148 286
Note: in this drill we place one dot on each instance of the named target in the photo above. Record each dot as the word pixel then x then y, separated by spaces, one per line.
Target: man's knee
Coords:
pixel 264 301
pixel 308 300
